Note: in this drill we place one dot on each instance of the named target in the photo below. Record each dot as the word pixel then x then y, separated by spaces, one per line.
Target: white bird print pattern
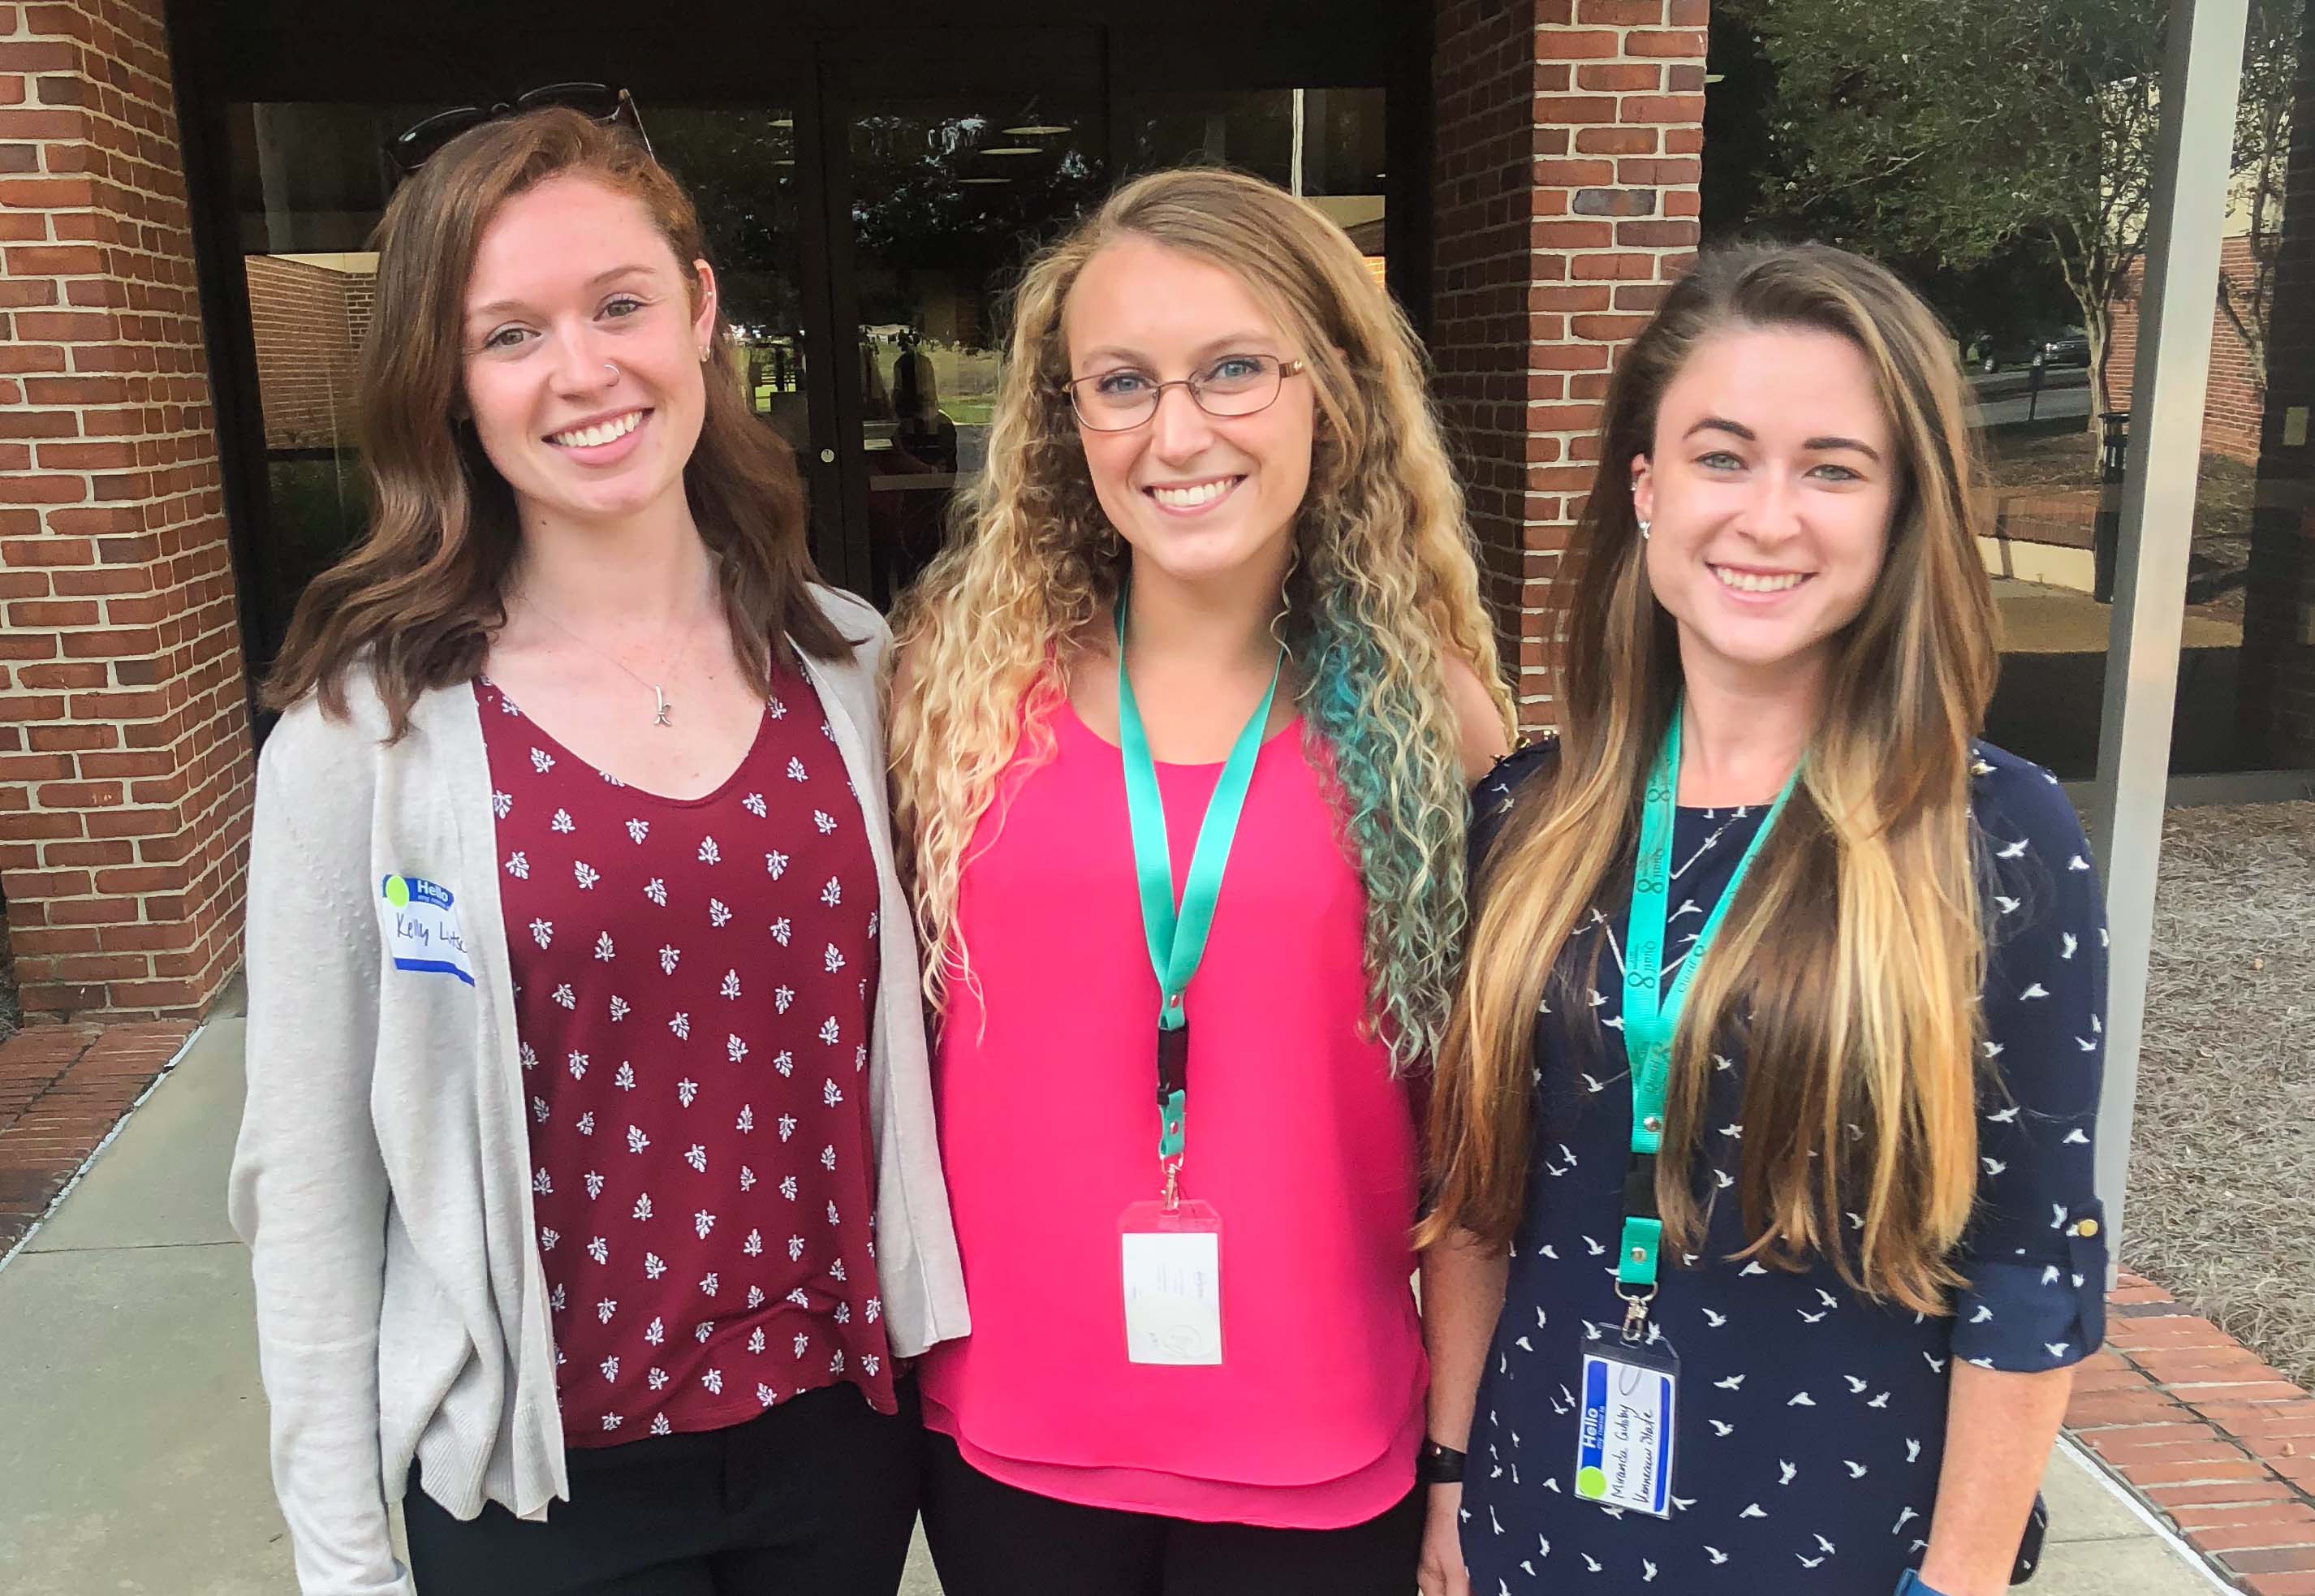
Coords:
pixel 1807 1414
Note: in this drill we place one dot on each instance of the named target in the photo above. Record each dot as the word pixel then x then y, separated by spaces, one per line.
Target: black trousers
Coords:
pixel 989 1538
pixel 815 1497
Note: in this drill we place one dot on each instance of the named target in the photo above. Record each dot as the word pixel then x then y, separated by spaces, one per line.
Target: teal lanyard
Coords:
pixel 1651 1010
pixel 1177 940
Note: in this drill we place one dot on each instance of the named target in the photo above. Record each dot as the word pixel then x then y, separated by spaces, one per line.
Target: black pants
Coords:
pixel 989 1538
pixel 814 1497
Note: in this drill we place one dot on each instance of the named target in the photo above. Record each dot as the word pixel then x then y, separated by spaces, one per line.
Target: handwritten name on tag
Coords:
pixel 1623 1445
pixel 423 933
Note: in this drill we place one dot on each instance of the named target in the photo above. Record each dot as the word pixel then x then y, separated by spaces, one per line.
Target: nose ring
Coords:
pixel 613 369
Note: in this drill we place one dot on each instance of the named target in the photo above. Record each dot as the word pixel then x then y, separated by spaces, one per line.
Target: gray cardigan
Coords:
pixel 382 1179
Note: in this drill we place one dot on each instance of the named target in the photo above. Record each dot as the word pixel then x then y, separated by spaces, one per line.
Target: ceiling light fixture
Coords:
pixel 1013 149
pixel 1037 129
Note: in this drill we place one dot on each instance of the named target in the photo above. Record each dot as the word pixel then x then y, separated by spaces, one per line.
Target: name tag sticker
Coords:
pixel 1624 1440
pixel 421 920
pixel 1172 1264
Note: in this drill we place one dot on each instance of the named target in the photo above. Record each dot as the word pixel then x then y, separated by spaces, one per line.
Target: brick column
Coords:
pixel 125 766
pixel 1569 144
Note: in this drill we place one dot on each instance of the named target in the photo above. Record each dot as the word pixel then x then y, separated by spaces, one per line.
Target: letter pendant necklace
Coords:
pixel 662 711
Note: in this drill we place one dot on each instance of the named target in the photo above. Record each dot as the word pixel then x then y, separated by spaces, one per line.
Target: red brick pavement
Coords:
pixel 2210 1439
pixel 62 1090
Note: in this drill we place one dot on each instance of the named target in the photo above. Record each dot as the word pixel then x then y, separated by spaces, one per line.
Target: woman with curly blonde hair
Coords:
pixel 1215 587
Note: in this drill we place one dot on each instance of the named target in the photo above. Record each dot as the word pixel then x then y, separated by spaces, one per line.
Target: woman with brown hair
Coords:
pixel 1764 1239
pixel 587 1165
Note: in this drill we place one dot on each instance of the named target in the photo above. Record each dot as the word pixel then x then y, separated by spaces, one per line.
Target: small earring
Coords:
pixel 703 356
pixel 1644 524
pixel 613 369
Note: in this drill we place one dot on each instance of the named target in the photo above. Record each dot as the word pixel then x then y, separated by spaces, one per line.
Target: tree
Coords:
pixel 2263 125
pixel 1954 129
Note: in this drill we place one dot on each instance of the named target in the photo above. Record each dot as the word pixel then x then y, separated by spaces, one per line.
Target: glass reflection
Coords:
pixel 950 198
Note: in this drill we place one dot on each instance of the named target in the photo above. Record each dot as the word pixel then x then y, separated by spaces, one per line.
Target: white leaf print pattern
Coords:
pixel 542 932
pixel 754 804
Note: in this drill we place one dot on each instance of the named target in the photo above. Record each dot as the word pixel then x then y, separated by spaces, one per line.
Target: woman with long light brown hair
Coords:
pixel 588 1168
pixel 1762 1136
pixel 1213 620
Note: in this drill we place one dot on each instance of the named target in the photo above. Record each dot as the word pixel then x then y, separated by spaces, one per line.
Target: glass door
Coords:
pixel 949 198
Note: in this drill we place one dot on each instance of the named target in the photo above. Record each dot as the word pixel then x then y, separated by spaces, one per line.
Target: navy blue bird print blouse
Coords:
pixel 1810 1421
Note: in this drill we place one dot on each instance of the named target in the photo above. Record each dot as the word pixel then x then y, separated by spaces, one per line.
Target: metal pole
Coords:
pixel 1294 161
pixel 2200 84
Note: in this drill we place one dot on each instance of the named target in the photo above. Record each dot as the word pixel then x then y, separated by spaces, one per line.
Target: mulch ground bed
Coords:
pixel 2222 1191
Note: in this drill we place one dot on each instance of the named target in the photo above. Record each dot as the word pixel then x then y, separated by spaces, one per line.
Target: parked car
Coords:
pixel 2060 346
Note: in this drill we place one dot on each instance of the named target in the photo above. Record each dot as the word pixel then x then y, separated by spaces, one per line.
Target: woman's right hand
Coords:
pixel 1440 1571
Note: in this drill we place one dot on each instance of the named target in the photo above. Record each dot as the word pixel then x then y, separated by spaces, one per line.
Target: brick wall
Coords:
pixel 1569 144
pixel 125 767
pixel 2236 408
pixel 306 322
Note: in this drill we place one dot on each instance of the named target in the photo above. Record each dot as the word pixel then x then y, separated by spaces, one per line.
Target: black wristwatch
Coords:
pixel 1437 1465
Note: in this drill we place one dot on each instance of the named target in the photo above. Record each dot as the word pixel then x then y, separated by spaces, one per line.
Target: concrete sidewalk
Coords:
pixel 133 1455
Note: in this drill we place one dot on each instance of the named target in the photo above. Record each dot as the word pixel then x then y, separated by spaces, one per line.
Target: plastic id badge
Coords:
pixel 421 921
pixel 1624 1441
pixel 1172 1260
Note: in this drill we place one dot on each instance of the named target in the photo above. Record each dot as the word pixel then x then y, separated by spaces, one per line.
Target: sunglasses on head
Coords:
pixel 410 149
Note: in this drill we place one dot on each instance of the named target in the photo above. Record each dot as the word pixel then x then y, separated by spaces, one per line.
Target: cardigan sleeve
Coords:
pixel 308 1188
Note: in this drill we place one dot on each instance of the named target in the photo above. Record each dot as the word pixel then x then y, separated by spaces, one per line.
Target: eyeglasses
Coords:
pixel 410 149
pixel 1234 385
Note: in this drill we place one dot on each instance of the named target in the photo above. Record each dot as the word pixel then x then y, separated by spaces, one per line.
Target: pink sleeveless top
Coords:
pixel 1045 1084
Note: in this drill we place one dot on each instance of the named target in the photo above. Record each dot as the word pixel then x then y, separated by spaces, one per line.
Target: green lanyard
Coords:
pixel 1652 1011
pixel 1177 941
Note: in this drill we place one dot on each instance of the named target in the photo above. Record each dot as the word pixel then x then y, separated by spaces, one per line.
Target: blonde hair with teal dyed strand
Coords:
pixel 1384 591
